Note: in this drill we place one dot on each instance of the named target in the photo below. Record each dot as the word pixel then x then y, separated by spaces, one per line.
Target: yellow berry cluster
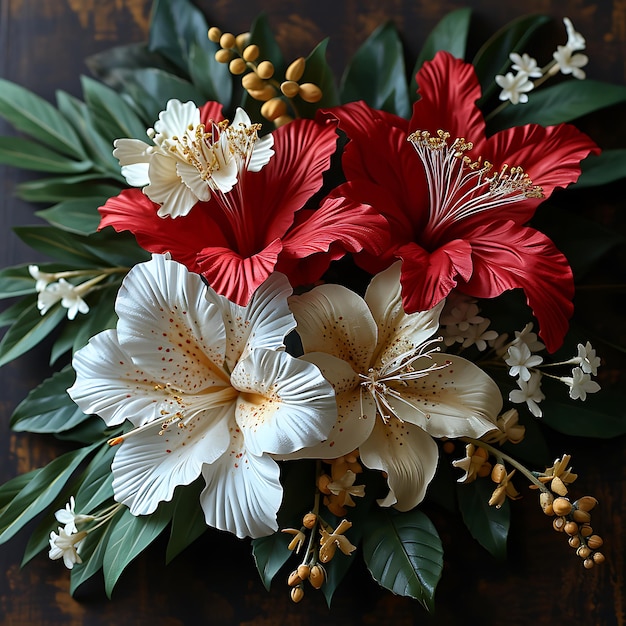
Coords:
pixel 258 77
pixel 573 519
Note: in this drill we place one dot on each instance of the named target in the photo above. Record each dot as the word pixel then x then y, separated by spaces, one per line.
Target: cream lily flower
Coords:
pixel 395 391
pixel 188 161
pixel 210 390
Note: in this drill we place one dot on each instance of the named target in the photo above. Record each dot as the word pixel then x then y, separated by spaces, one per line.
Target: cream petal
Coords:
pixel 224 176
pixel 263 323
pixel 336 320
pixel 168 326
pixel 176 119
pixel 409 457
pixel 459 400
pixel 243 492
pixel 148 466
pixel 167 189
pixel 191 177
pixel 285 404
pixel 110 385
pixel 261 153
pixel 398 333
pixel 356 411
pixel 136 175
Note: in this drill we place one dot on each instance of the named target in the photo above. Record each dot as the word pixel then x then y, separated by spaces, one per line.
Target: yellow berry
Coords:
pixel 290 88
pixel 265 70
pixel 562 506
pixel 574 542
pixel 273 108
pixel 294 579
pixel 581 516
pixel 310 92
pixel 227 41
pixel 316 577
pixel 571 528
pixel 223 56
pixel 252 81
pixel 594 542
pixel 598 557
pixel 586 503
pixel 241 40
pixel 214 34
pixel 583 552
pixel 297 593
pixel 251 53
pixel 588 563
pixel 296 69
pixel 308 521
pixel 498 473
pixel 303 571
pixel 558 524
pixel 586 530
pixel 264 94
pixel 237 66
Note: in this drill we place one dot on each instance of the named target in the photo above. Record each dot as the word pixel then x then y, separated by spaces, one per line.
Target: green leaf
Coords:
pixel 129 537
pixel 29 155
pixel 160 87
pixel 28 330
pixel 41 490
pixel 39 119
pixel 12 487
pixel 16 281
pixel 404 554
pixel 450 34
pixel 487 524
pixel 11 314
pixel 62 188
pixel 48 408
pixel 261 35
pixel 602 169
pixel 564 102
pixel 97 481
pixel 377 73
pixel 113 116
pixel 78 215
pixel 188 521
pixel 270 554
pixel 212 79
pixel 493 57
pixel 318 72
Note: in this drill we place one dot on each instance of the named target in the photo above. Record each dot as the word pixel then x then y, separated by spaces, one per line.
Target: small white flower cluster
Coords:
pixel 460 322
pixel 566 59
pixel 525 365
pixel 52 289
pixel 66 543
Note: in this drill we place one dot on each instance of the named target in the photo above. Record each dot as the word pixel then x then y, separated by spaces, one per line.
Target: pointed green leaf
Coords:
pixel 487 524
pixel 564 102
pixel 211 78
pixel 270 554
pixel 39 119
pixel 43 487
pixel 130 536
pixel 404 554
pixel 12 487
pixel 28 330
pixel 377 73
pixel 602 169
pixel 97 481
pixel 493 57
pixel 16 281
pixel 30 155
pixel 79 215
pixel 62 188
pixel 11 314
pixel 450 35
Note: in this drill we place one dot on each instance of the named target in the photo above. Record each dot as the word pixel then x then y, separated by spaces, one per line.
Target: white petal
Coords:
pixel 224 176
pixel 261 153
pixel 176 119
pixel 131 151
pixel 191 177
pixel 286 403
pixel 409 457
pixel 456 401
pixel 336 320
pixel 167 189
pixel 356 411
pixel 397 332
pixel 263 323
pixel 136 175
pixel 148 466
pixel 108 384
pixel 243 492
pixel 169 327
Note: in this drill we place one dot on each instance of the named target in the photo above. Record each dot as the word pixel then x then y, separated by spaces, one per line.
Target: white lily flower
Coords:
pixel 66 546
pixel 395 391
pixel 210 390
pixel 189 161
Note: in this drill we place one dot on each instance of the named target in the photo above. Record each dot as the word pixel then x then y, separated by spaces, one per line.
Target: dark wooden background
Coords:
pixel 42 46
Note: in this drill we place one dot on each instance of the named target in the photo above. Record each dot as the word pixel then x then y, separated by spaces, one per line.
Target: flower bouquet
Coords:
pixel 295 312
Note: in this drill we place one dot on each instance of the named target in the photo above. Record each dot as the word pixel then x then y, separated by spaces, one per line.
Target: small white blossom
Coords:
pixel 514 87
pixel 575 41
pixel 69 295
pixel 521 360
pixel 43 278
pixel 587 359
pixel 525 64
pixel 529 338
pixel 570 63
pixel 70 518
pixel 508 429
pixel 529 392
pixel 66 546
pixel 478 335
pixel 580 384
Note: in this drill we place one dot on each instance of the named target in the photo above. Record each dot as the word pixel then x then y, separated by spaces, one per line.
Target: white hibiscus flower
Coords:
pixel 210 390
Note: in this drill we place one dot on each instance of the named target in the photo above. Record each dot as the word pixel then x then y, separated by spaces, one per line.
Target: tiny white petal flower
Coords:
pixel 570 63
pixel 580 384
pixel 529 338
pixel 525 64
pixel 514 88
pixel 69 295
pixel 69 518
pixel 66 546
pixel 529 392
pixel 575 41
pixel 43 278
pixel 521 360
pixel 587 359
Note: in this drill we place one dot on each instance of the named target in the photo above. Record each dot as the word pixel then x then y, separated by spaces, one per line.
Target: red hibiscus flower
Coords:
pixel 458 210
pixel 237 239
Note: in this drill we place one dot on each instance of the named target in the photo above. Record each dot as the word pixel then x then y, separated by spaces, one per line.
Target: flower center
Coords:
pixel 460 187
pixel 383 382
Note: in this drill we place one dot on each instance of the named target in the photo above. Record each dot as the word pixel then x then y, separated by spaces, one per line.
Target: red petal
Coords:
pixel 507 256
pixel 211 112
pixel 427 278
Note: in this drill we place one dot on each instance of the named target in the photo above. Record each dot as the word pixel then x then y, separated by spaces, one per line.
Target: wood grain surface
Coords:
pixel 42 46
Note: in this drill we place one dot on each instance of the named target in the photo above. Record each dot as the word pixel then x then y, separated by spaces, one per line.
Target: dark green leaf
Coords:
pixel 318 72
pixel 97 483
pixel 450 34
pixel 39 119
pixel 270 554
pixel 188 521
pixel 487 524
pixel 12 487
pixel 602 169
pixel 48 408
pixel 11 314
pixel 404 554
pixel 212 79
pixel 261 35
pixel 16 281
pixel 78 215
pixel 377 73
pixel 493 57
pixel 90 431
pixel 115 249
pixel 28 330
pixel 63 188
pixel 160 87
pixel 564 102
pixel 44 486
pixel 129 537
pixel 30 155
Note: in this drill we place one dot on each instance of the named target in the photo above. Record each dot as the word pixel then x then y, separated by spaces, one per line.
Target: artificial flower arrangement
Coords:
pixel 293 313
